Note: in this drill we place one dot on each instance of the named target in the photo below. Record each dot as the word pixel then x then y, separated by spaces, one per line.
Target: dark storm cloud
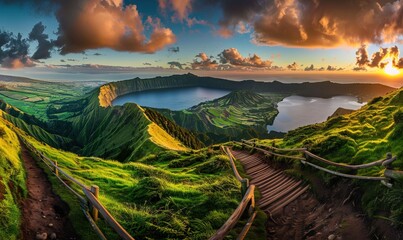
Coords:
pixel 175 64
pixel 45 46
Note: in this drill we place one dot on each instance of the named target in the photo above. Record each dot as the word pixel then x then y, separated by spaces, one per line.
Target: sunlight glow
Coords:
pixel 391 70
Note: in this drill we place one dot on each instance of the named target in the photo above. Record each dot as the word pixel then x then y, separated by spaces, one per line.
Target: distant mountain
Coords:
pixel 363 91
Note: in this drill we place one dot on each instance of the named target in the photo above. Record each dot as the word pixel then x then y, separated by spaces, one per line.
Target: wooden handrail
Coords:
pixel 344 165
pixel 87 192
pixel 233 166
pixel 236 215
pixel 343 174
pixel 107 216
pixel 307 153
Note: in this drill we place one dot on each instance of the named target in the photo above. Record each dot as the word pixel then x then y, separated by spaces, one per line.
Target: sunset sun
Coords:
pixel 391 70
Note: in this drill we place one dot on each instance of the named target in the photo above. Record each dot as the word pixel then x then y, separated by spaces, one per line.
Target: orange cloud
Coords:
pixel 233 57
pixel 93 24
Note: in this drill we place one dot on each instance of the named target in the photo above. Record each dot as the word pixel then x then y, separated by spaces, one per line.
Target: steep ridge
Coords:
pixel 110 91
pixel 124 133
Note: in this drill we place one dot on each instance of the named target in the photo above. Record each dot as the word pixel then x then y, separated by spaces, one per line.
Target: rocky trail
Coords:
pixel 45 215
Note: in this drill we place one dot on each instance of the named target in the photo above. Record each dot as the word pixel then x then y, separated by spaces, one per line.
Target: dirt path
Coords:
pixel 44 213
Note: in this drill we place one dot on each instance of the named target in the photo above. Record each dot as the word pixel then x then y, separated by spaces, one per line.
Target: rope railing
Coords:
pixel 90 196
pixel 344 165
pixel 386 162
pixel 247 204
pixel 343 174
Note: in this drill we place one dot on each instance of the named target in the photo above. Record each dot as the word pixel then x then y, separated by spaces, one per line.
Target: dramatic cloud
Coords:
pixel 205 62
pixel 45 46
pixel 379 59
pixel 233 57
pixel 293 66
pixel 94 24
pixel 312 23
pixel 14 51
pixel 175 64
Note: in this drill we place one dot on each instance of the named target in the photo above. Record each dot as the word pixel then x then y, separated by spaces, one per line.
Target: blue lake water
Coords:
pixel 173 98
pixel 297 111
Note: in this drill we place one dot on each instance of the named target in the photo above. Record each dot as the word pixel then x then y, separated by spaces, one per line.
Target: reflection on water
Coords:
pixel 173 98
pixel 297 111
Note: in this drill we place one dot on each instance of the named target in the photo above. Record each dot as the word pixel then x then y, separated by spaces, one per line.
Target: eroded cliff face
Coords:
pixel 107 93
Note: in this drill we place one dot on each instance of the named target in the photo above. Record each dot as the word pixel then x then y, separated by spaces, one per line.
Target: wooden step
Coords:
pixel 291 198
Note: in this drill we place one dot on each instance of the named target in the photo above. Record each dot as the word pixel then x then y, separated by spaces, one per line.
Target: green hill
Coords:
pixel 361 137
pixel 240 114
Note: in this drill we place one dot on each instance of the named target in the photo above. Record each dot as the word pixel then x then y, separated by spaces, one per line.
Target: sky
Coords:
pixel 294 40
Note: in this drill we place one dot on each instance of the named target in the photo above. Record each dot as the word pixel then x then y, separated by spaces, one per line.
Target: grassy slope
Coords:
pixel 171 195
pixel 363 136
pixel 123 133
pixel 240 114
pixel 12 183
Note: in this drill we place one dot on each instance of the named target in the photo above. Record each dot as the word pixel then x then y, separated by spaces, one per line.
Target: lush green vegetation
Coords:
pixel 159 188
pixel 361 137
pixel 170 195
pixel 240 114
pixel 12 183
pixel 45 100
pixel 180 133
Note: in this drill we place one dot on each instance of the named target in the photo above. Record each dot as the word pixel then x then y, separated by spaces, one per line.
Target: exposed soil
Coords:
pixel 44 213
pixel 335 215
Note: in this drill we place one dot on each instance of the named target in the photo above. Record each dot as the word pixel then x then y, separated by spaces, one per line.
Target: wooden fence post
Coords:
pixel 56 169
pixel 244 186
pixel 95 191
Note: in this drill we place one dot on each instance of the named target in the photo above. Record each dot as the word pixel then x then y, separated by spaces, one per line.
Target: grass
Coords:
pixel 363 136
pixel 12 183
pixel 170 195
